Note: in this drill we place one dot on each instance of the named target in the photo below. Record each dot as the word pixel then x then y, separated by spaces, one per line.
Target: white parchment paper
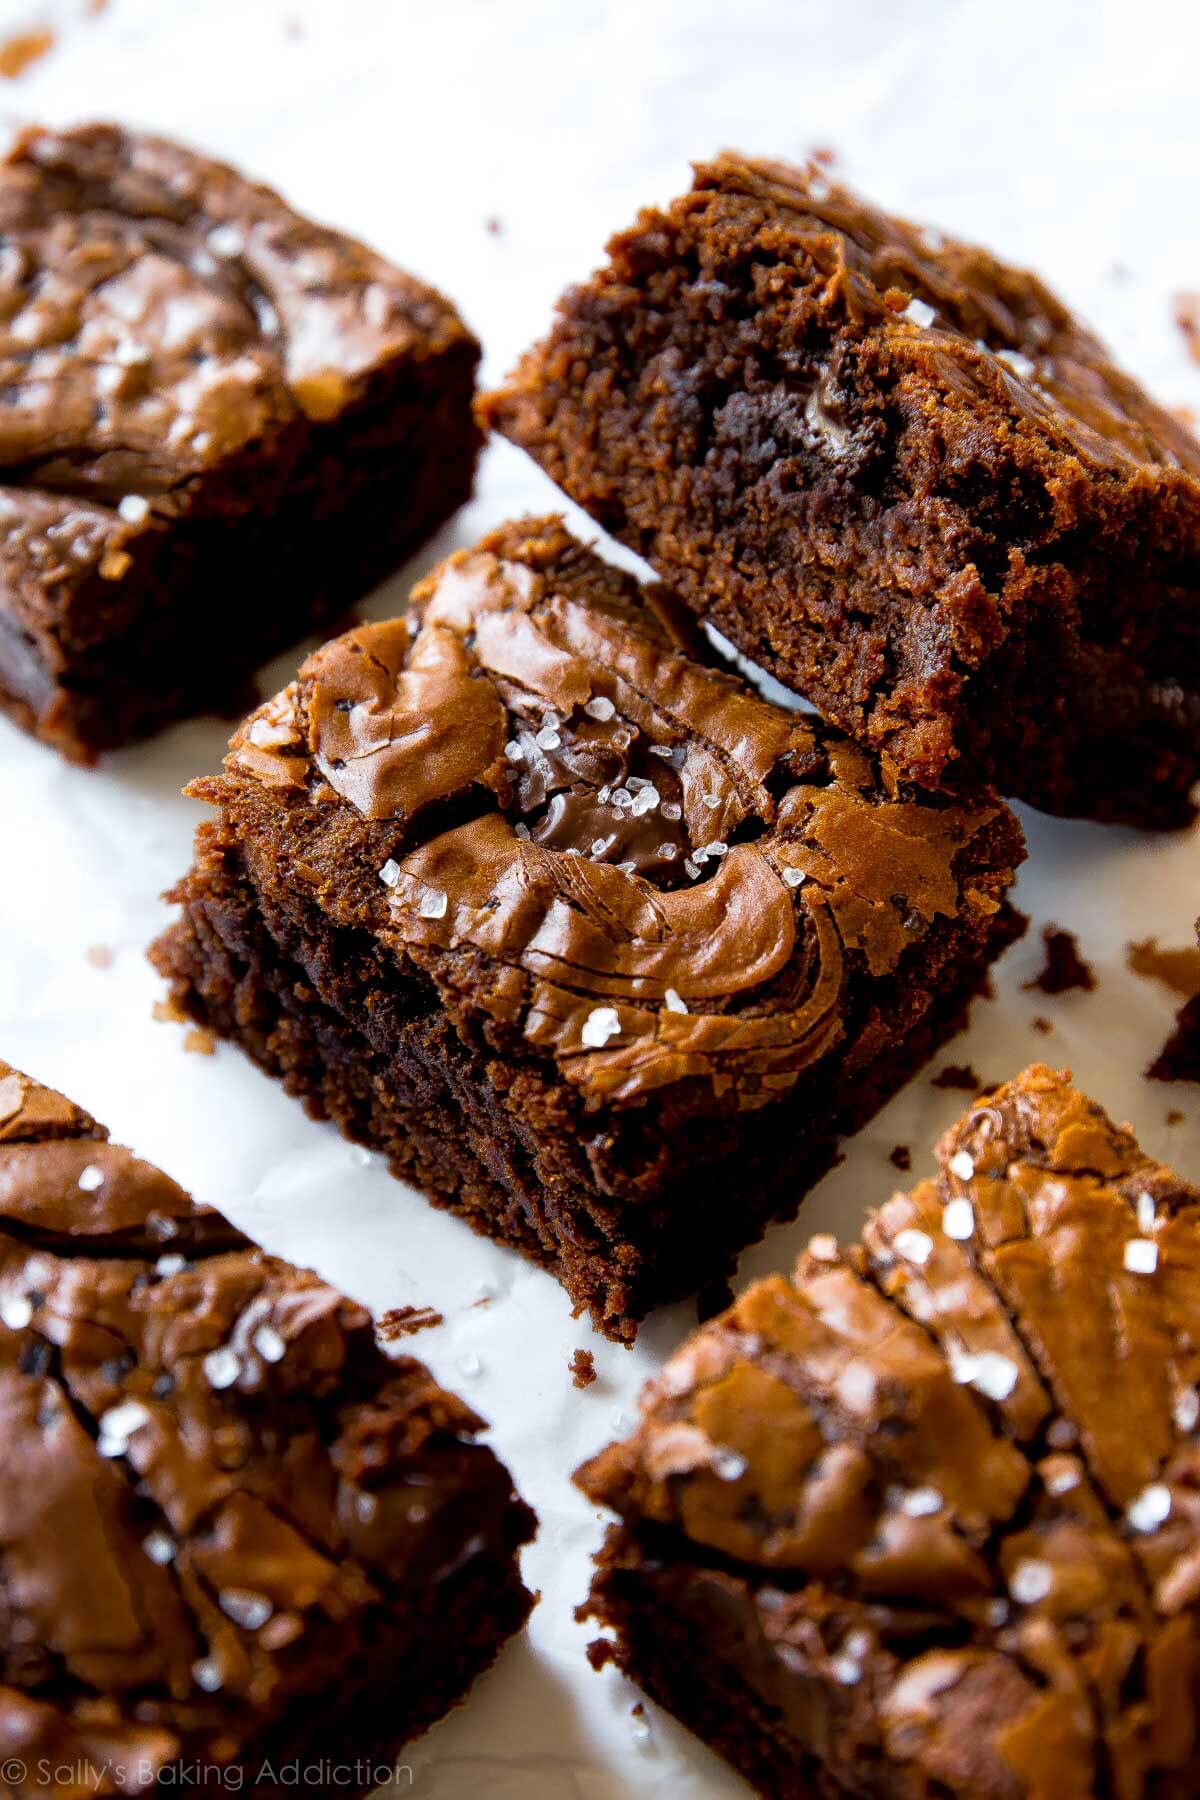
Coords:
pixel 491 145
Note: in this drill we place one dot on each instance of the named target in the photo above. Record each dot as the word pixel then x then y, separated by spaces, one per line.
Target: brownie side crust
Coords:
pixel 899 475
pixel 235 1533
pixel 919 1522
pixel 219 425
pixel 575 928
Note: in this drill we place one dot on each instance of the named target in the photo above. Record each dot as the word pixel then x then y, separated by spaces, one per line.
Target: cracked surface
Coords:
pixel 180 352
pixel 895 472
pixel 230 1527
pixel 933 1500
pixel 567 881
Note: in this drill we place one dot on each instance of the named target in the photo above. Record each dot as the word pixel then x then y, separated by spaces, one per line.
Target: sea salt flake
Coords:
pixel 693 869
pixel 824 1246
pixel 269 1344
pixel 989 1372
pixel 645 802
pixel 366 1506
pixel 919 312
pixel 1141 1256
pixel 433 904
pixel 226 240
pixel 600 845
pixel 514 751
pixel 913 1245
pixel 172 1264
pixel 1151 1508
pixel 91 1178
pixel 673 1002
pixel 1187 1410
pixel 118 1425
pixel 390 872
pixel 921 1502
pixel 522 831
pixel 958 1220
pixel 206 1675
pixel 858 1645
pixel 729 1465
pixel 793 878
pixel 962 1164
pixel 621 797
pixel 717 848
pixel 627 868
pixel 222 1367
pixel 1030 1581
pixel 600 707
pixel 668 852
pixel 247 1609
pixel 547 738
pixel 845 1670
pixel 134 509
pixel 670 809
pixel 1062 1481
pixel 16 1310
pixel 712 801
pixel 1145 1213
pixel 159 1547
pixel 996 1612
pixel 601 1024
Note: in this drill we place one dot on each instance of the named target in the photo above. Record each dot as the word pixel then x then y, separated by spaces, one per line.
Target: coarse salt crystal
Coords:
pixel 668 852
pixel 1187 1410
pixel 691 867
pixel 717 848
pixel 673 1002
pixel 962 1164
pixel 133 508
pixel 269 1344
pixel 514 751
pixel 172 1264
pixel 670 809
pixel 1151 1508
pixel 118 1425
pixel 989 1372
pixel 226 240
pixel 159 1547
pixel 432 904
pixel 712 801
pixel 547 738
pixel 958 1220
pixel 601 1024
pixel 522 831
pixel 845 1670
pixel 91 1178
pixel 390 872
pixel 729 1465
pixel 919 312
pixel 645 802
pixel 600 707
pixel 793 878
pixel 921 1502
pixel 913 1245
pixel 1141 1256
pixel 222 1367
pixel 206 1675
pixel 824 1246
pixel 1062 1481
pixel 16 1310
pixel 1145 1213
pixel 1031 1581
pixel 247 1609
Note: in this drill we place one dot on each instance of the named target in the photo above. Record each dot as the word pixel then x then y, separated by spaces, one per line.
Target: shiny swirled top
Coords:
pixel 217 1487
pixel 536 786
pixel 949 1477
pixel 158 314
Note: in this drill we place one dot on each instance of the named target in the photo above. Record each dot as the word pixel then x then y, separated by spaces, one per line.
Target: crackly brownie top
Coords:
pixel 160 314
pixel 533 786
pixel 214 1483
pixel 953 1471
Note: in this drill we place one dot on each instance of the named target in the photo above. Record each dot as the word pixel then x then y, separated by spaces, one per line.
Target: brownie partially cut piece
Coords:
pixel 595 945
pixel 219 424
pixel 896 473
pixel 235 1535
pixel 923 1521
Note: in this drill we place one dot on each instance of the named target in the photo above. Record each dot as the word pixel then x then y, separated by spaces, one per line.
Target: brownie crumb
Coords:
pixel 1175 1117
pixel 824 155
pixel 22 49
pixel 901 1157
pixel 167 1013
pixel 599 1651
pixel 1064 968
pixel 98 956
pixel 403 1321
pixel 712 1299
pixel 958 1075
pixel 1187 317
pixel 583 1368
pixel 200 1041
pixel 1177 969
pixel 1043 1025
pixel 1179 1058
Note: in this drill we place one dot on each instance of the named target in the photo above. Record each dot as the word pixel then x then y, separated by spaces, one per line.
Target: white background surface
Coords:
pixel 1064 135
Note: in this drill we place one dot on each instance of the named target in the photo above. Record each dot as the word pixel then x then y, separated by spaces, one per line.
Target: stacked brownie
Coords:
pixel 898 474
pixel 236 1536
pixel 219 423
pixel 598 947
pixel 922 1521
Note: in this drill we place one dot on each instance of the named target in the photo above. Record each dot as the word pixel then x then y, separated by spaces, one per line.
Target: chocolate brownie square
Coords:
pixel 896 473
pixel 922 1521
pixel 596 946
pixel 219 423
pixel 236 1535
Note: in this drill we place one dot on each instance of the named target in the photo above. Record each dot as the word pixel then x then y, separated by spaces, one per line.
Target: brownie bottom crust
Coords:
pixel 292 993
pixel 207 600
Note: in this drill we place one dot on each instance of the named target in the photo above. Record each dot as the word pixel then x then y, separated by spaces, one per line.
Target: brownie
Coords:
pixel 592 943
pixel 219 423
pixel 923 1521
pixel 236 1535
pixel 896 473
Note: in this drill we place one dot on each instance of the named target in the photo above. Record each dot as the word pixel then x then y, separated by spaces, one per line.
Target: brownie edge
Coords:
pixel 921 1521
pixel 236 1534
